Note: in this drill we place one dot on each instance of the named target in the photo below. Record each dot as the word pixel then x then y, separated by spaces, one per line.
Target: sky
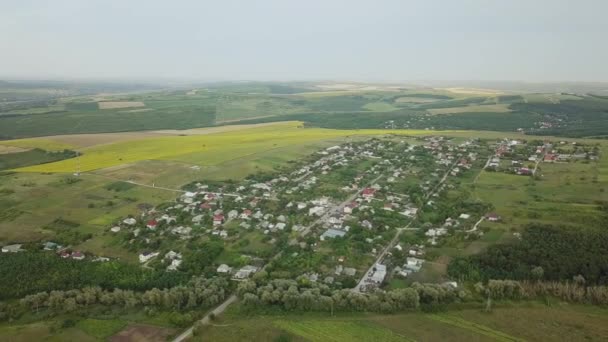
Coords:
pixel 379 40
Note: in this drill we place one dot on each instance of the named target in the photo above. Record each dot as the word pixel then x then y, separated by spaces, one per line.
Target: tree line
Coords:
pixel 303 295
pixel 198 292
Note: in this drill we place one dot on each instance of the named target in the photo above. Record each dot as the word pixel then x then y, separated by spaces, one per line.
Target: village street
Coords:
pixel 338 208
pixel 391 244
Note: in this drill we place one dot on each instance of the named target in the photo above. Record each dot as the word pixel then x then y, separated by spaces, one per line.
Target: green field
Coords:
pixel 519 322
pixel 209 149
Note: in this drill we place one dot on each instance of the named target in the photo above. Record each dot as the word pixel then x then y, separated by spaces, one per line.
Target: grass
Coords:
pixel 474 327
pixel 100 328
pixel 380 107
pixel 338 331
pixel 506 322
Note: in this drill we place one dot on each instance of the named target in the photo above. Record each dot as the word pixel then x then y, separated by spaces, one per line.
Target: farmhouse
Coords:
pixel 129 221
pixel 245 272
pixel 368 193
pixel 152 224
pixel 218 219
pixel 146 256
pixel 223 268
pixel 332 233
pixel 493 217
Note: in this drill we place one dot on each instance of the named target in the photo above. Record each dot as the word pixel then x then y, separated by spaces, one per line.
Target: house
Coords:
pixel 368 193
pixel 349 271
pixel 301 205
pixel 388 206
pixel 50 246
pixel 115 229
pixel 464 216
pixel 129 221
pixel 366 224
pixel 152 224
pixel 175 263
pixel 410 212
pixel 339 270
pixel 232 214
pixel 223 268
pixel 246 214
pixel 348 209
pixel 493 217
pixel 379 274
pixel 205 206
pixel 197 219
pixel 245 272
pixel 218 219
pixel 12 248
pixel 318 211
pixel 413 264
pixel 332 233
pixel 280 226
pixel 328 280
pixel 146 256
pixel 77 255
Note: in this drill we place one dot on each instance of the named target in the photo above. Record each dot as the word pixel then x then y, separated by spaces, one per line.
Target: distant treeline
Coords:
pixel 32 157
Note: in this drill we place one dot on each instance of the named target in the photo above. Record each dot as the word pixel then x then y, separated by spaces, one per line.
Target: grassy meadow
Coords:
pixel 507 322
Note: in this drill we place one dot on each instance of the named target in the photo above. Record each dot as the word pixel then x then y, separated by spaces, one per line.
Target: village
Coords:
pixel 351 215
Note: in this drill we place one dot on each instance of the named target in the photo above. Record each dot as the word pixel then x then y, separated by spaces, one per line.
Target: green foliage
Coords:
pixel 548 252
pixel 48 272
pixel 32 157
pixel 119 186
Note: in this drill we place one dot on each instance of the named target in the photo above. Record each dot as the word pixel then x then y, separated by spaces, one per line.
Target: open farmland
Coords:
pixel 532 322
pixel 204 149
pixel 120 104
pixel 493 108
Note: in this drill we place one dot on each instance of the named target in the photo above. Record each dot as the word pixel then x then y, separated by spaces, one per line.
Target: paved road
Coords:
pixel 205 320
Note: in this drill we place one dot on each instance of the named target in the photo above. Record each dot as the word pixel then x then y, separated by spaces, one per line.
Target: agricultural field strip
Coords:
pixel 217 146
pixel 473 327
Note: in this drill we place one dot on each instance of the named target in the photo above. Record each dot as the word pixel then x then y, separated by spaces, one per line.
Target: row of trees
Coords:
pixel 294 295
pixel 572 291
pixel 198 292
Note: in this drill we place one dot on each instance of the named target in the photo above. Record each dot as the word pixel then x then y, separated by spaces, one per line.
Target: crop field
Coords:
pixel 209 149
pixel 490 108
pixel 509 322
pixel 120 104
pixel 41 143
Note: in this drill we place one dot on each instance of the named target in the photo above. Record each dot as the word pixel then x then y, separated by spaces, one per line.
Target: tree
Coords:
pixel 537 273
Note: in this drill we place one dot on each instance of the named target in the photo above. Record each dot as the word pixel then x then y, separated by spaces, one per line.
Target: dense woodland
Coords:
pixel 32 157
pixel 47 272
pixel 544 252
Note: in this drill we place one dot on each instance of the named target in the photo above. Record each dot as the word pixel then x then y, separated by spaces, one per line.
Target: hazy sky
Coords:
pixel 533 40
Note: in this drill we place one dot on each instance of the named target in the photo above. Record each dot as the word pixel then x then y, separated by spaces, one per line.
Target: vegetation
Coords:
pixel 48 272
pixel 545 252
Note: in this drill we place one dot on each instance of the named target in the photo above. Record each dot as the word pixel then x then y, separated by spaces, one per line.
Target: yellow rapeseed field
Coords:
pixel 208 149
